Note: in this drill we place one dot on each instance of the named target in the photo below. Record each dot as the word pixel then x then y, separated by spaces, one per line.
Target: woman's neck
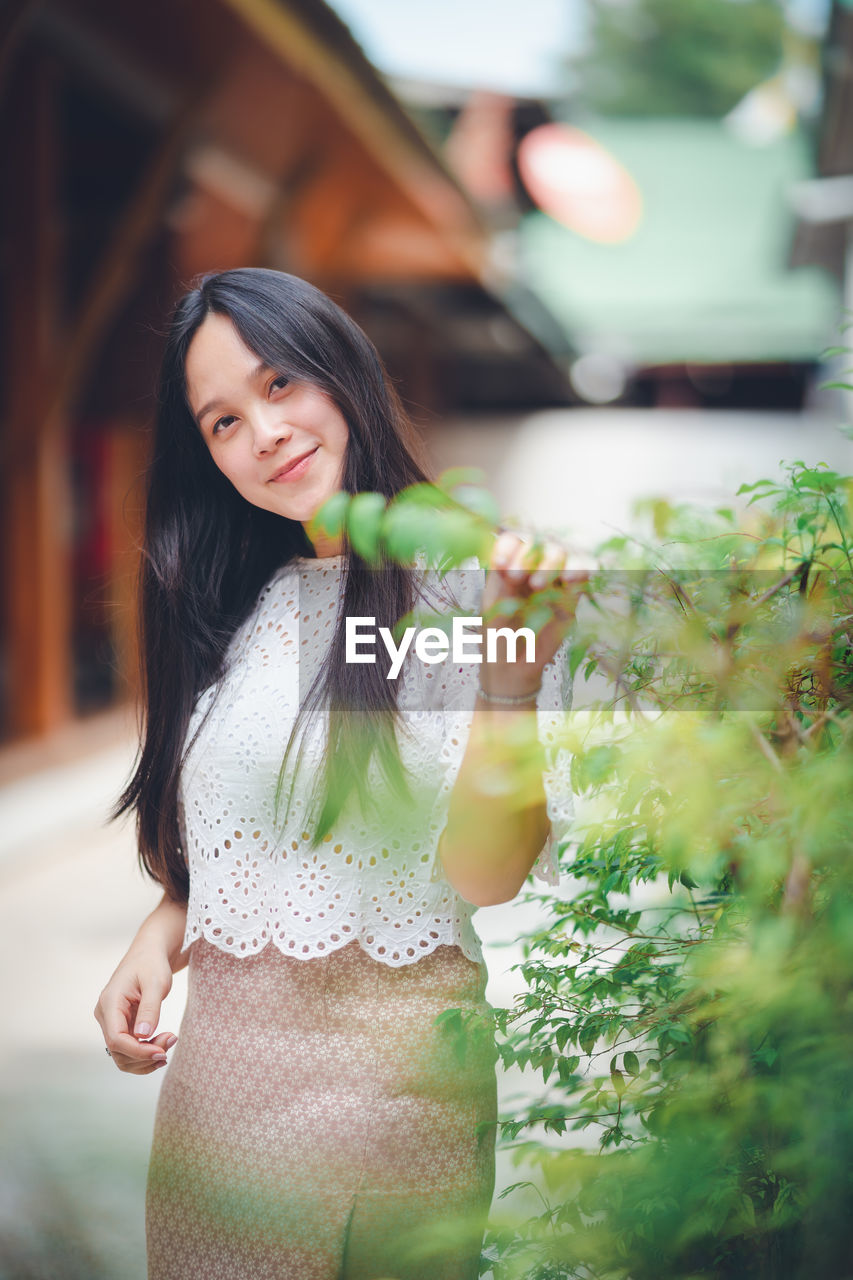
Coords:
pixel 326 548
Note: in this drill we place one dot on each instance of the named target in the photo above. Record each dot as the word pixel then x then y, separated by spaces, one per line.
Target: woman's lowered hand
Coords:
pixel 128 1008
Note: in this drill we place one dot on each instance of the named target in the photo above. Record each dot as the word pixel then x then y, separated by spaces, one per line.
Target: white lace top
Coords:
pixel 254 881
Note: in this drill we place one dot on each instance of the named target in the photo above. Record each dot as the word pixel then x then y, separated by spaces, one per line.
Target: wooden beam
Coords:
pixel 118 269
pixel 127 457
pixel 46 373
pixel 410 166
pixel 291 190
pixel 36 503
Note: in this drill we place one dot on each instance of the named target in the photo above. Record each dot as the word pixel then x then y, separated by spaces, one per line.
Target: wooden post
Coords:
pixel 127 456
pixel 36 507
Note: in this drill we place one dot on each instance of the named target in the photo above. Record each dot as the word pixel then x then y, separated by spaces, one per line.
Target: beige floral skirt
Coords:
pixel 316 1124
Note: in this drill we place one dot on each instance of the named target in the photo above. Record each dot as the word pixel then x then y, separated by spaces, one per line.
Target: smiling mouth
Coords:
pixel 295 468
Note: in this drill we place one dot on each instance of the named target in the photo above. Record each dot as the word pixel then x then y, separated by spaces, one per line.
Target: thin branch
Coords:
pixel 765 747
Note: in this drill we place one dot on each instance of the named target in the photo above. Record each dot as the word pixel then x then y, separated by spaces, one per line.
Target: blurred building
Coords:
pixel 824 204
pixel 142 144
pixel 693 300
pixel 660 246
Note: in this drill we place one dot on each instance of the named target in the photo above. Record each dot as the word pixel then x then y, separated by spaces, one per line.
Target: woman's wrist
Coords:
pixel 161 934
pixel 508 687
pixel 154 946
pixel 524 699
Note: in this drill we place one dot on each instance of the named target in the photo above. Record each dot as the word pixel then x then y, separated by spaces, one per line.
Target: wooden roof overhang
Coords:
pixel 260 135
pixel 276 142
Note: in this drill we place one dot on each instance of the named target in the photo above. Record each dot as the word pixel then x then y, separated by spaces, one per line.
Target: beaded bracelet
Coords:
pixel 507 699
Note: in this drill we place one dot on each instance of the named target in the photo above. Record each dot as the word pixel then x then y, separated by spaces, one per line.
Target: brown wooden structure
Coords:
pixel 824 205
pixel 141 144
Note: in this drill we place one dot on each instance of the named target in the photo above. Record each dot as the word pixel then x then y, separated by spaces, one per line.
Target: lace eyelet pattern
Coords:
pixel 255 882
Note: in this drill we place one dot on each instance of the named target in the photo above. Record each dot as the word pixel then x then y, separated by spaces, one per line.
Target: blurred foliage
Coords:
pixel 443 524
pixel 688 1010
pixel 690 1004
pixel 678 57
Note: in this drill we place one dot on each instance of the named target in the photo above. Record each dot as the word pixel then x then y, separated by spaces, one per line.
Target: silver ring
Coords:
pixel 109 1055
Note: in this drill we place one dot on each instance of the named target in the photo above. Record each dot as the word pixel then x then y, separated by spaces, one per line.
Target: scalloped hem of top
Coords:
pixel 547 865
pixel 394 959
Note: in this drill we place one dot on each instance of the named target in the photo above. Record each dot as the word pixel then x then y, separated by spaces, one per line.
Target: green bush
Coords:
pixel 689 1005
pixel 690 1002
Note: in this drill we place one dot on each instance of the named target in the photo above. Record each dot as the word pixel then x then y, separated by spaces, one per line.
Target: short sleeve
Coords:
pixel 182 824
pixel 452 698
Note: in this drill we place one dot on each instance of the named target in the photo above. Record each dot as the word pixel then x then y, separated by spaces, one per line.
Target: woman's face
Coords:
pixel 280 443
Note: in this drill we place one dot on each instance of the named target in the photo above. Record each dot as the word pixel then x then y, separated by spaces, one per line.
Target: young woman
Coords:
pixel 322 833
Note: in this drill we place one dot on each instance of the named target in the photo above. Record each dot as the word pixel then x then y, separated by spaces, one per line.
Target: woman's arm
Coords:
pixel 497 820
pixel 128 1008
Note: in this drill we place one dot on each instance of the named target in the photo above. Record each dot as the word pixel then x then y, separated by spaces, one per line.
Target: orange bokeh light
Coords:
pixel 573 179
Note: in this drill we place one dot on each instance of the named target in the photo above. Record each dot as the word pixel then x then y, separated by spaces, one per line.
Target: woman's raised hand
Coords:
pixel 519 568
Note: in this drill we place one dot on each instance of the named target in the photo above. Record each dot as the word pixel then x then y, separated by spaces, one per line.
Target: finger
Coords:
pixel 499 598
pixel 144 1064
pixel 575 577
pixel 526 555
pixel 578 568
pixel 148 1013
pixel 137 1066
pixel 515 551
pixel 125 1047
pixel 553 560
pixel 504 549
pixel 115 1015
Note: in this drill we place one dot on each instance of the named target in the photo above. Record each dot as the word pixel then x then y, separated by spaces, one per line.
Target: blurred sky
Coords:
pixel 503 44
pixel 512 45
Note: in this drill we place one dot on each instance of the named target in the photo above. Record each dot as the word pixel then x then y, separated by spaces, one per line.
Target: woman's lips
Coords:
pixel 294 470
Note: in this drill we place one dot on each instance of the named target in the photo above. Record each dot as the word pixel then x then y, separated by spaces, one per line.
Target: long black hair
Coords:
pixel 207 552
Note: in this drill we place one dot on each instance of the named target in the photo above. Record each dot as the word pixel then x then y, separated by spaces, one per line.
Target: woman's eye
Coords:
pixel 221 423
pixel 279 383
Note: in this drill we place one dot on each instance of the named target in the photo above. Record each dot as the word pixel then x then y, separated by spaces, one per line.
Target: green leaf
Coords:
pixel 364 524
pixel 332 516
pixel 562 1036
pixel 537 616
pixel 597 765
pixel 462 536
pixel 577 653
pixel 480 501
pixel 455 477
pixel 588 1037
pixel 403 530
pixel 819 480
pixel 631 1063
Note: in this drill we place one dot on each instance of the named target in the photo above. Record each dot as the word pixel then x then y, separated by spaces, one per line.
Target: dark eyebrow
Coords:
pixel 258 372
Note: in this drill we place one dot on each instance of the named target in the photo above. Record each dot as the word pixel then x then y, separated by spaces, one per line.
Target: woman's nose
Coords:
pixel 269 432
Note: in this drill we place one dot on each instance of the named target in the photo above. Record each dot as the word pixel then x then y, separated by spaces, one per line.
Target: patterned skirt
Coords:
pixel 315 1123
